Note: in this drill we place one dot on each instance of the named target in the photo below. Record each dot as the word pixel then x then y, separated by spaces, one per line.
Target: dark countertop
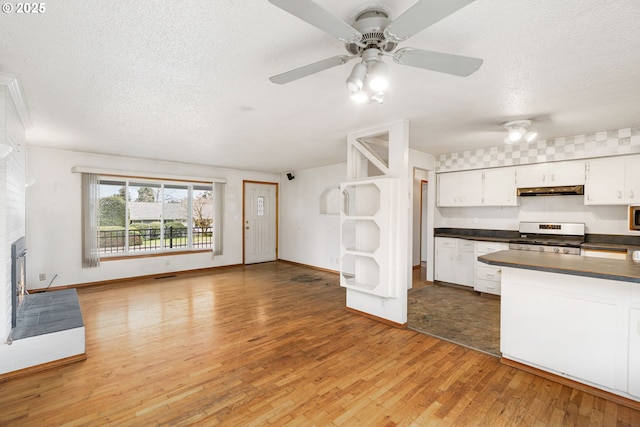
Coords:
pixel 600 268
pixel 478 238
pixel 609 247
pixel 602 242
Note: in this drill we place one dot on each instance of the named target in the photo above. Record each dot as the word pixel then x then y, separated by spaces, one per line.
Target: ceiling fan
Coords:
pixel 374 35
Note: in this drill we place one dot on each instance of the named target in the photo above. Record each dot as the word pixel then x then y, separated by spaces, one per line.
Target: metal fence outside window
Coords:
pixel 113 241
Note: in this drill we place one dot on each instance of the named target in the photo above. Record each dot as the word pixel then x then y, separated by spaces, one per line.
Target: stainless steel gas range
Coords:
pixel 558 237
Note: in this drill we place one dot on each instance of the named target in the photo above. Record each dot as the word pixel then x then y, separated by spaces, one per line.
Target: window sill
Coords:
pixel 153 255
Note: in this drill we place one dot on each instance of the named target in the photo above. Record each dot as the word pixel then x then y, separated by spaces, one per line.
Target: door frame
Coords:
pixel 423 212
pixel 244 191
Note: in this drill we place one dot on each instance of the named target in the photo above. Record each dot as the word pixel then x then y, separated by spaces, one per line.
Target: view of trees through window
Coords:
pixel 154 216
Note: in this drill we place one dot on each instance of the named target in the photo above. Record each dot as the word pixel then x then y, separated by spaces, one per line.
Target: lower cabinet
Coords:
pixel 634 352
pixel 457 262
pixel 578 327
pixel 488 276
pixel 454 261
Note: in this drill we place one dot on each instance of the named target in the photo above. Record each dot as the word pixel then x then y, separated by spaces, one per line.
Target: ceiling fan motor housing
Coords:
pixel 371 24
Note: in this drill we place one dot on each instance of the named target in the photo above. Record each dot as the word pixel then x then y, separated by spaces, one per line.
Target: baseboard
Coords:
pixel 620 400
pixel 326 270
pixel 133 278
pixel 43 367
pixel 376 318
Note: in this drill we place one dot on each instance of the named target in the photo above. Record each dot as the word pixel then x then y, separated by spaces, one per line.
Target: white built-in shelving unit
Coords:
pixel 365 237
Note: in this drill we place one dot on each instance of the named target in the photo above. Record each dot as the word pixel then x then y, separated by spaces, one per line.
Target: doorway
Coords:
pixel 260 221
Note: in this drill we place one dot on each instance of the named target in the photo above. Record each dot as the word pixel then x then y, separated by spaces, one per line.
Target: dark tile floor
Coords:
pixel 455 314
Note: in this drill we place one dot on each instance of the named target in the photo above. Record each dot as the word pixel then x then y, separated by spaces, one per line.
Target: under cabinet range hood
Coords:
pixel 565 190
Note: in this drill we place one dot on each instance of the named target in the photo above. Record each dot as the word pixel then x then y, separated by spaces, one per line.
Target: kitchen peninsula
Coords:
pixel 573 316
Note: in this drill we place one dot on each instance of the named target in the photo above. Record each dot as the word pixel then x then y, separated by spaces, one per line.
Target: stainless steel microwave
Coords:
pixel 634 217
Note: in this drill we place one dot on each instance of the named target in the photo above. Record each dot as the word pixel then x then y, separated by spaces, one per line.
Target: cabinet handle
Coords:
pixel 631 195
pixel 544 178
pixel 619 194
pixel 553 177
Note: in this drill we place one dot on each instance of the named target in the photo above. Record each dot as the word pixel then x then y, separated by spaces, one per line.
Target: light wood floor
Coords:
pixel 272 344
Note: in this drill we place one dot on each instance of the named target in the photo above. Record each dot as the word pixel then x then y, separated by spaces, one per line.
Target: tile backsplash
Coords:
pixel 599 144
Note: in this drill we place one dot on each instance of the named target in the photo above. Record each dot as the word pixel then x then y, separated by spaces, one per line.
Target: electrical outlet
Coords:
pixel 42 277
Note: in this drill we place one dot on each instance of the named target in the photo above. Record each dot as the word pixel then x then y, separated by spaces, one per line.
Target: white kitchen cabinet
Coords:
pixel 572 326
pixel 489 187
pixel 460 188
pixel 634 351
pixel 632 179
pixel 454 261
pixel 551 174
pixel 499 187
pixel 488 276
pixel 613 181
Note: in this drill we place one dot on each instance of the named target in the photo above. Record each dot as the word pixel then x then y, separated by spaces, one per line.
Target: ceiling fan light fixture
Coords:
pixel 355 82
pixel 378 80
pixel 378 97
pixel 359 96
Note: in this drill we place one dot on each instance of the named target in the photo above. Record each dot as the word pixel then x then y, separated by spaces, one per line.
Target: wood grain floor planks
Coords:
pixel 272 345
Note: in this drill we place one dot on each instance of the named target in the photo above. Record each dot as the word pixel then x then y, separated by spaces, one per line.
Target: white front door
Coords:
pixel 260 217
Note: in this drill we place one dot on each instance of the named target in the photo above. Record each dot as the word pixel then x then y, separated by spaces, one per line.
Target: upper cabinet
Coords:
pixel 489 187
pixel 613 181
pixel 460 188
pixel 499 187
pixel 551 174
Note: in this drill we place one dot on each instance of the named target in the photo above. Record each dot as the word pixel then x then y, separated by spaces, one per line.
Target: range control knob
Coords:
pixel 565 251
pixel 541 248
pixel 556 250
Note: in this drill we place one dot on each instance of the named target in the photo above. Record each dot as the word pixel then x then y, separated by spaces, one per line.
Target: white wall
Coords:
pixel 306 236
pixel 53 218
pixel 12 200
pixel 597 219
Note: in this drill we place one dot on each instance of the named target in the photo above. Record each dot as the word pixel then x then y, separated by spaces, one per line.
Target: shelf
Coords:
pixel 361 200
pixel 360 271
pixel 360 235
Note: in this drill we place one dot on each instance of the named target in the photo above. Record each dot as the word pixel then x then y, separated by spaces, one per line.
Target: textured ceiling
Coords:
pixel 188 80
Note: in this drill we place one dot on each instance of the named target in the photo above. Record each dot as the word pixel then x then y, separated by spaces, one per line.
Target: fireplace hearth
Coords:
pixel 18 277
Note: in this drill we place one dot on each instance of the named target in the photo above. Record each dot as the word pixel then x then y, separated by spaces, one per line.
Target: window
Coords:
pixel 140 216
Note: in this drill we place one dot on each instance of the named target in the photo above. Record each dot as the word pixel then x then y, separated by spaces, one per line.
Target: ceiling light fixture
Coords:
pixel 360 96
pixel 368 80
pixel 378 71
pixel 519 130
pixel 355 82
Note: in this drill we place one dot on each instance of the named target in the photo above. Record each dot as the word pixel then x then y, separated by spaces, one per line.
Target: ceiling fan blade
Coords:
pixel 420 16
pixel 436 61
pixel 315 15
pixel 307 70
